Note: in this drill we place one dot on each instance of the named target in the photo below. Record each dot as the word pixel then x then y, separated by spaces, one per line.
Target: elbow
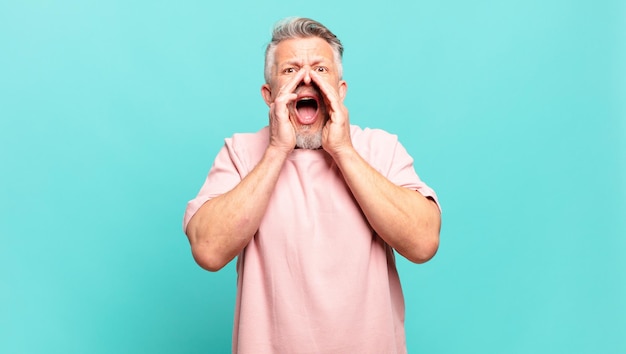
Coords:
pixel 425 252
pixel 208 260
pixel 425 249
pixel 206 253
pixel 426 241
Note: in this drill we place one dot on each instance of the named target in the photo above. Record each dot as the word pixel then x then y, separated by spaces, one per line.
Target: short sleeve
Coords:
pixel 386 154
pixel 235 160
pixel 402 173
pixel 223 176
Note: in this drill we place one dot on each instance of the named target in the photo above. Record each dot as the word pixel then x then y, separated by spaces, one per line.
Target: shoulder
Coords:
pixel 369 140
pixel 365 136
pixel 247 148
pixel 380 149
pixel 258 139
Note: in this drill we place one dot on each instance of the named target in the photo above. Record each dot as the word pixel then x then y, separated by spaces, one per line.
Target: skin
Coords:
pixel 300 66
pixel 224 225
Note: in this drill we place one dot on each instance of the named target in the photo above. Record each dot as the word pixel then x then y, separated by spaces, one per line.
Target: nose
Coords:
pixel 307 77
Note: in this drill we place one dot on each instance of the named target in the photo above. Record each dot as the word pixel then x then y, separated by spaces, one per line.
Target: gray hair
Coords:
pixel 299 27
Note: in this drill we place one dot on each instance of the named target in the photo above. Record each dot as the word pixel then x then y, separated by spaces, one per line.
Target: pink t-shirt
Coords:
pixel 315 278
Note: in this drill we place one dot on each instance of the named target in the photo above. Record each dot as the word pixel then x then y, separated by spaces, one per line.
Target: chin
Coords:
pixel 310 141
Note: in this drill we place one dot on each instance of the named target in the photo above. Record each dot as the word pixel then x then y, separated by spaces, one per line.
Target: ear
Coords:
pixel 266 92
pixel 343 89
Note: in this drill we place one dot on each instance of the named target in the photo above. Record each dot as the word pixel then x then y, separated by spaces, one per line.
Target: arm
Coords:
pixel 406 220
pixel 224 225
pixel 403 218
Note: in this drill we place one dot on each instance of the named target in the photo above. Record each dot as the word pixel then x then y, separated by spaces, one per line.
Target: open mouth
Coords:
pixel 306 110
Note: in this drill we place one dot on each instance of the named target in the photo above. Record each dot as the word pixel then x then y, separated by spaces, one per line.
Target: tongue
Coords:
pixel 306 115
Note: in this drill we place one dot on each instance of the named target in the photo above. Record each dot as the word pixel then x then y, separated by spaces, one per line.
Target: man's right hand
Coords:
pixel 282 132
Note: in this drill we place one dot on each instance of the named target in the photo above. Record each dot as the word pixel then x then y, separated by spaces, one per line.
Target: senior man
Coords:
pixel 313 207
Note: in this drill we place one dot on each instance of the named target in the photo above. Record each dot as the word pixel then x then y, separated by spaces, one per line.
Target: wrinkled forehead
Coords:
pixel 303 50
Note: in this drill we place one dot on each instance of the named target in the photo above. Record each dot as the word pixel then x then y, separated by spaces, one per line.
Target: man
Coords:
pixel 313 207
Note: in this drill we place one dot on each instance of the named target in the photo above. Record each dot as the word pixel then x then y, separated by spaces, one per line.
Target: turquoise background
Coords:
pixel 111 113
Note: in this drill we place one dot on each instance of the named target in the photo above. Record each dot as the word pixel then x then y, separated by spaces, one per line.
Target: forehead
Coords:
pixel 303 49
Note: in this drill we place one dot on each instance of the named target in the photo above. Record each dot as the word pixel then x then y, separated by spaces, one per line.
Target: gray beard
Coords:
pixel 309 141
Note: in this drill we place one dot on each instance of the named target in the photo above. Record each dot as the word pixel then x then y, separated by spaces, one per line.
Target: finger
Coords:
pixel 279 109
pixel 326 87
pixel 285 98
pixel 291 85
pixel 329 91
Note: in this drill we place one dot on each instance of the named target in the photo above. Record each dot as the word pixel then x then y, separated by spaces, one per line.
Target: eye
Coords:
pixel 321 69
pixel 289 70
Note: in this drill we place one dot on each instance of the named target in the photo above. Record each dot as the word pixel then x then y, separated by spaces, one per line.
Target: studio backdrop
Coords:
pixel 111 113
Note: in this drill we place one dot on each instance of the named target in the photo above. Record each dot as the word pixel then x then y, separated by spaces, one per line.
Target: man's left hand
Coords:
pixel 336 132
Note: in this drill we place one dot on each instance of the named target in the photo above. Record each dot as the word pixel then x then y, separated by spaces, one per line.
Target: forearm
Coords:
pixel 402 217
pixel 223 226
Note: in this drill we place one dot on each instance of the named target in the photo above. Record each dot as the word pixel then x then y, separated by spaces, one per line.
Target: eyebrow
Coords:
pixel 315 60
